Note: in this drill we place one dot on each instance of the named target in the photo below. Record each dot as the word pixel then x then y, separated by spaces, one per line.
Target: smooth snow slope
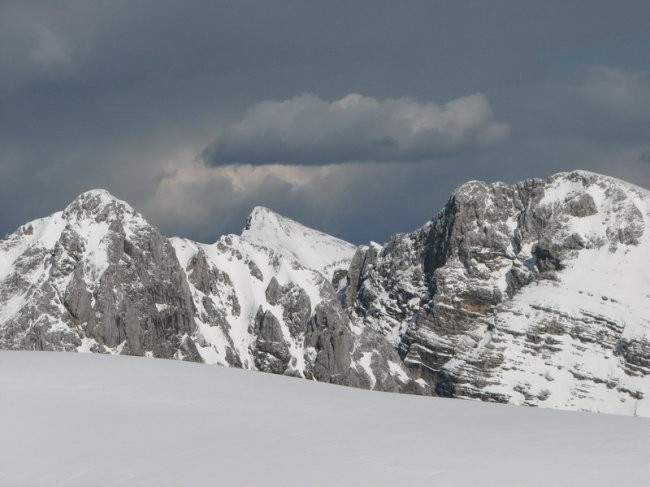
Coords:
pixel 76 419
pixel 311 248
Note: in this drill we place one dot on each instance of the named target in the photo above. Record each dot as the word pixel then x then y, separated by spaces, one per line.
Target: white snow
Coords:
pixel 96 254
pixel 48 230
pixel 365 362
pixel 81 419
pixel 311 248
pixel 185 249
pixel 605 282
pixel 28 254
pixel 86 345
pixel 43 232
pixel 11 307
pixel 397 371
pixel 213 351
pixel 278 248
pixel 603 291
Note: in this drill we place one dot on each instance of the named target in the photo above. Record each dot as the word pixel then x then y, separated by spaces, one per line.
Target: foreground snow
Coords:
pixel 76 419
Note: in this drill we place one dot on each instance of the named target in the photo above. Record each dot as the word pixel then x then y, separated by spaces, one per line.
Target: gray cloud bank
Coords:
pixel 306 130
pixel 125 94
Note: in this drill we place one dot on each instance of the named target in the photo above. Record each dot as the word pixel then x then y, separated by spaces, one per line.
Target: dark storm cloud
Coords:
pixel 125 95
pixel 308 130
pixel 622 93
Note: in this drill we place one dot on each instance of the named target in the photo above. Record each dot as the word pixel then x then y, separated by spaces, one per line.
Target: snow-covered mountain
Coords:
pixel 98 278
pixel 537 293
pixel 94 277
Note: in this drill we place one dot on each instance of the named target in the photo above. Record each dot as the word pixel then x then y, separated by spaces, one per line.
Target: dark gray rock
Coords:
pixel 445 289
pixel 270 349
pixel 273 291
pixel 328 332
pixel 119 309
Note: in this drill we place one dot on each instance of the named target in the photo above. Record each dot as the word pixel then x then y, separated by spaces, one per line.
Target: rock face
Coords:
pixel 265 301
pixel 527 294
pixel 98 278
pixel 534 294
pixel 95 277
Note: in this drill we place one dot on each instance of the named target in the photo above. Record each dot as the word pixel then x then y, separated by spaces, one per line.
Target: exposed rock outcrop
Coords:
pixel 535 293
pixel 97 276
pixel 529 294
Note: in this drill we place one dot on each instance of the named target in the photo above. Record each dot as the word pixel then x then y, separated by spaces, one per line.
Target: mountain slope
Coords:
pixel 535 293
pixel 95 277
pixel 311 248
pixel 77 420
pixel 260 289
pixel 260 306
pixel 98 277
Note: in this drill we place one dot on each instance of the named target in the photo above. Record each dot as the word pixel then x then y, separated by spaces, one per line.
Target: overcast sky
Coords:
pixel 357 118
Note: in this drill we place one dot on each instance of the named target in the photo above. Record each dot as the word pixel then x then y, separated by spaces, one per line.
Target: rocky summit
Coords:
pixel 536 293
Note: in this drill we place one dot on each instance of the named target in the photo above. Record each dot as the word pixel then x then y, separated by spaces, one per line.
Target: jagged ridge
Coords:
pixel 531 294
pixel 98 278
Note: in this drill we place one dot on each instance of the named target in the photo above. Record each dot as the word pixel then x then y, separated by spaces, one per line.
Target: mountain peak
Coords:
pixel 589 177
pixel 103 193
pixel 99 205
pixel 96 199
pixel 260 216
pixel 450 307
pixel 262 221
pixel 311 248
